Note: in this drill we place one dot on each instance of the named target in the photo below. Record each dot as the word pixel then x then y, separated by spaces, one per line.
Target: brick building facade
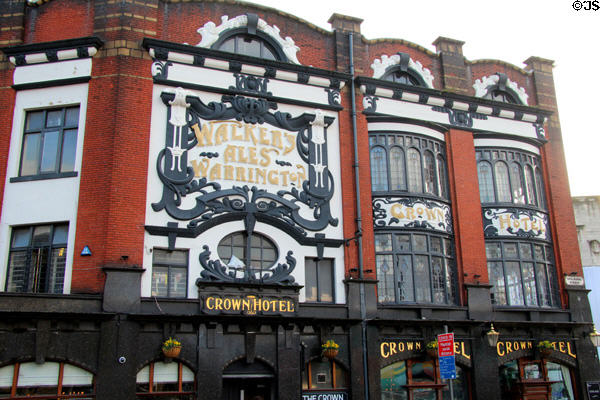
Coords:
pixel 260 189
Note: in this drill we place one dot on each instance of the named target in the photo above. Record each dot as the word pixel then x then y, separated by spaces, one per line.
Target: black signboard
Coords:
pixel 324 396
pixel 593 389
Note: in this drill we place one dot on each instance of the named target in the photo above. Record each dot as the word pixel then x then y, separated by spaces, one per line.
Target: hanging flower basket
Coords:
pixel 330 349
pixel 432 348
pixel 545 347
pixel 171 348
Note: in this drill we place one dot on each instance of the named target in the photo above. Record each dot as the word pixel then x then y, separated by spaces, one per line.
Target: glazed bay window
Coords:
pixel 49 143
pixel 522 273
pixel 414 267
pixel 319 280
pixel 169 273
pixel 403 162
pixel 510 176
pixel 37 259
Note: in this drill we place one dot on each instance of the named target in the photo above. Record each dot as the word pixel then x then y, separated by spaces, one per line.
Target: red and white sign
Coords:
pixel 445 344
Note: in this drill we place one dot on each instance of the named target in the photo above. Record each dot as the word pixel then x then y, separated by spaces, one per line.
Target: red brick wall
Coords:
pixel 466 208
pixel 483 68
pixel 59 20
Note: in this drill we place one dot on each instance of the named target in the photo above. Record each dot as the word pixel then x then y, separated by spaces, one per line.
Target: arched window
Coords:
pixel 405 77
pixel 240 250
pixel 378 169
pixel 486 182
pixel 429 170
pixel 420 377
pixel 415 183
pixel 501 95
pixel 161 380
pixel 396 164
pixel 502 182
pixel 507 176
pixel 397 173
pixel 516 180
pixel 32 380
pixel 517 375
pixel 248 45
pixel 325 374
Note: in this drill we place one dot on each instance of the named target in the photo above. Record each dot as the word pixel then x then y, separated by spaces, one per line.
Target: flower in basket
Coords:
pixel 545 345
pixel 330 344
pixel 171 347
pixel 432 345
pixel 330 349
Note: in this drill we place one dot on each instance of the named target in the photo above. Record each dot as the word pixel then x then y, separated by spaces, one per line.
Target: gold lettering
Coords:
pixel 291 307
pixel 273 179
pixel 246 304
pixel 284 175
pixel 396 211
pixel 292 141
pixel 504 220
pixel 383 350
pixel 218 304
pixel 235 303
pixel 229 154
pixel 265 305
pixel 261 173
pixel 561 347
pixel 227 303
pixel 249 133
pixel 240 174
pixel 228 172
pixel 301 174
pixel 266 158
pixel 440 214
pixel 221 134
pixel 500 352
pixel 252 156
pixel 262 134
pixel 276 139
pixel 282 306
pixel 215 172
pixel 430 214
pixel 234 133
pixel 410 213
pixel 523 345
pixel 200 168
pixel 418 346
pixel 509 347
pixel 203 136
pixel 241 156
pixel 208 303
pixel 463 352
pixel 569 351
pixel 401 347
pixel 410 345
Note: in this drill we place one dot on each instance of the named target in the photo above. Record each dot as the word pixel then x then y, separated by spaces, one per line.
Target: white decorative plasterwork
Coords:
pixel 210 34
pixel 481 87
pixel 379 67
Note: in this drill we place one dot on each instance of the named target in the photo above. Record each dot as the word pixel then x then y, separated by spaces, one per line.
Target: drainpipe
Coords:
pixel 363 306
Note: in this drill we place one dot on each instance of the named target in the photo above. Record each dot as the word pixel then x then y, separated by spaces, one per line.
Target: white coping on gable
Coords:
pixel 36 58
pixel 53 71
pixel 404 127
pixel 210 34
pixel 42 201
pixel 506 143
pixel 380 66
pixel 481 87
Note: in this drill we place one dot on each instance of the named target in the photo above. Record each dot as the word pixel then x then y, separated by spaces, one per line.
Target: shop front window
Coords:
pixel 524 378
pixel 161 380
pixel 419 379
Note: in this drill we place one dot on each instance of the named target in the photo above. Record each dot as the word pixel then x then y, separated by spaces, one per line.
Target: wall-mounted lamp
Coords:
pixel 492 336
pixel 595 337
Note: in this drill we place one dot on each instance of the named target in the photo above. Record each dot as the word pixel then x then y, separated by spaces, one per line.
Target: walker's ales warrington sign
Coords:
pixel 248 304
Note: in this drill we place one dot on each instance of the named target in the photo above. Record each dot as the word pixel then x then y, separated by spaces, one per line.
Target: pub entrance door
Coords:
pixel 242 381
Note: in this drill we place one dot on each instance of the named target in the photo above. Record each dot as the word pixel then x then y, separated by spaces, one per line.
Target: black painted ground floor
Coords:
pixel 106 348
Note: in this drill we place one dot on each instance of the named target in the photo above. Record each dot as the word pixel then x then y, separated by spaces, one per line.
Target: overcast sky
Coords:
pixel 509 30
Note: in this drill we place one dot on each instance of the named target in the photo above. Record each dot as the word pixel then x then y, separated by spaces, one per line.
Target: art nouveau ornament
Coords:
pixel 482 86
pixel 380 66
pixel 211 32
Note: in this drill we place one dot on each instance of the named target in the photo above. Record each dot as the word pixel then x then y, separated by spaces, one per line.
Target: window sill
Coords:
pixel 42 177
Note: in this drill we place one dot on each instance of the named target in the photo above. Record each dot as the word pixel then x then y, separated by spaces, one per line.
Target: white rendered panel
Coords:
pixel 401 127
pixel 53 71
pixel 48 200
pixel 506 143
pixel 73 375
pixel 32 374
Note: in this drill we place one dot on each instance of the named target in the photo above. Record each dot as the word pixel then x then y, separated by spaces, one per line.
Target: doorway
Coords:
pixel 243 381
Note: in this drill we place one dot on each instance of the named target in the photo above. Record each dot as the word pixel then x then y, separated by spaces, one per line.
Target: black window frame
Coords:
pixel 43 131
pixel 525 160
pixel 449 274
pixel 40 281
pixel 247 237
pixel 317 262
pixel 547 261
pixel 406 141
pixel 405 77
pixel 244 33
pixel 171 267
